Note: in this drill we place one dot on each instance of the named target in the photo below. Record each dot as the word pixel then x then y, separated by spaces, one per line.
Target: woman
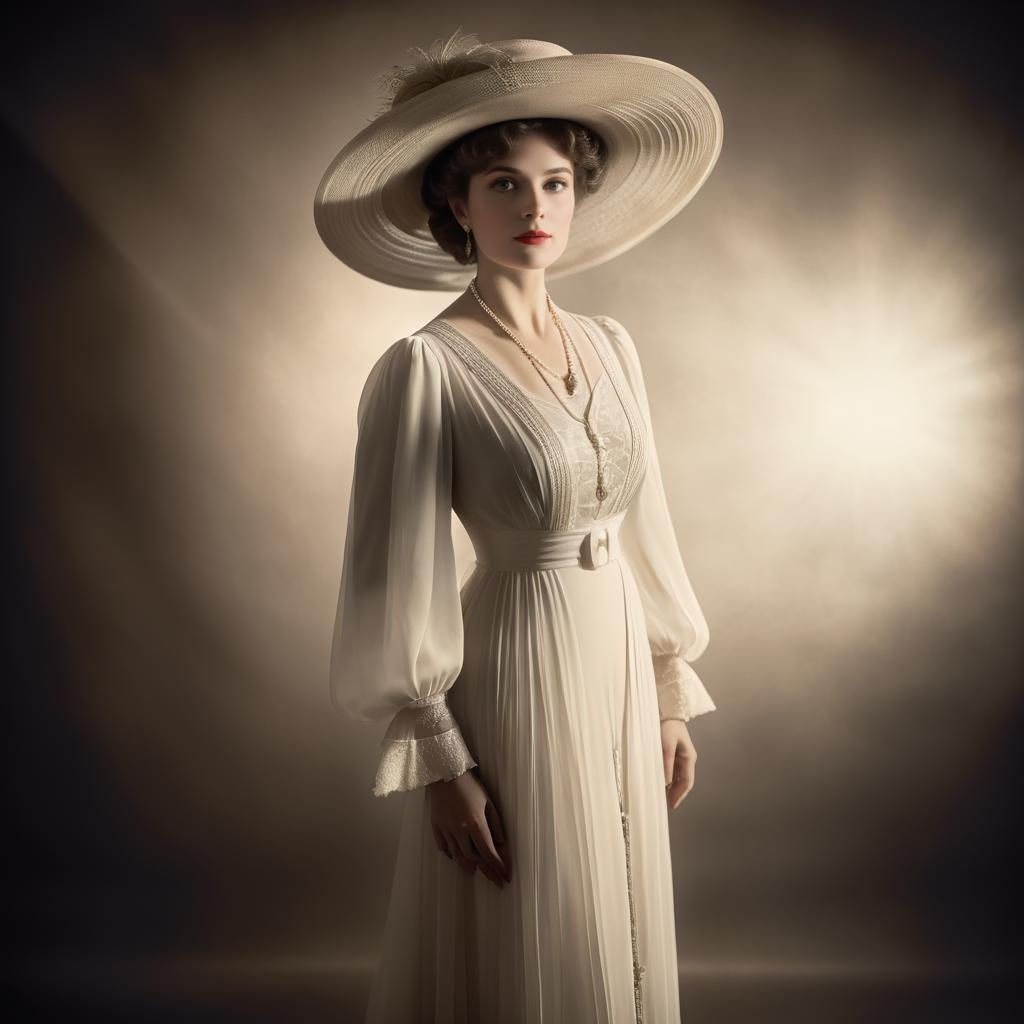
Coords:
pixel 538 712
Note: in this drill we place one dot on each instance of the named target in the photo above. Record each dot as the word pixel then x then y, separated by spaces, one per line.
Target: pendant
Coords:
pixel 570 383
pixel 599 449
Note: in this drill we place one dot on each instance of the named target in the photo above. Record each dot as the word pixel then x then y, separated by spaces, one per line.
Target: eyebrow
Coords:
pixel 514 170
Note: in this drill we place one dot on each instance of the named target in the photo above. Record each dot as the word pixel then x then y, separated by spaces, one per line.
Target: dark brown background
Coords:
pixel 190 824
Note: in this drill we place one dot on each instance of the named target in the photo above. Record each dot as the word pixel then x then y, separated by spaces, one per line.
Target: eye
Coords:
pixel 554 181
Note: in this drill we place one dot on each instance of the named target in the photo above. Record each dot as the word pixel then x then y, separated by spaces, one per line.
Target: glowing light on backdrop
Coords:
pixel 878 396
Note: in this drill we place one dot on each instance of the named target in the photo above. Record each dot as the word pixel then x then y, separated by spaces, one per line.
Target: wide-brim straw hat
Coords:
pixel 662 127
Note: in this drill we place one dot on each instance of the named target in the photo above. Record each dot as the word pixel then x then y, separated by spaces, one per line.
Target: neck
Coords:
pixel 518 297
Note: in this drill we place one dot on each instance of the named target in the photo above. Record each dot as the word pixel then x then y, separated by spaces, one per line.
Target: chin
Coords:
pixel 536 256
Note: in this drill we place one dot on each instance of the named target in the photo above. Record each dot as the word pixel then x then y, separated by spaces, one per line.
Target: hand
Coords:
pixel 680 759
pixel 464 818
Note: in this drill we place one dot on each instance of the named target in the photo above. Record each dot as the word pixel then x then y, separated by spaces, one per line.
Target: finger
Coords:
pixel 498 835
pixel 668 757
pixel 677 785
pixel 501 840
pixel 494 820
pixel 682 783
pixel 465 844
pixel 481 836
pixel 442 845
pixel 482 860
pixel 467 865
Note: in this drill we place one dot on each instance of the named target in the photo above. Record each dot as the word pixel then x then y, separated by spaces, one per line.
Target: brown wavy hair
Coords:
pixel 450 170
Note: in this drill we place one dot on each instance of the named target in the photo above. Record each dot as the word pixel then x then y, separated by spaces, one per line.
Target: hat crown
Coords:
pixel 530 49
pixel 461 54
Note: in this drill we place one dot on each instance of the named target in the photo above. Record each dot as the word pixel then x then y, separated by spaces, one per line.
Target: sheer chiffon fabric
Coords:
pixel 547 673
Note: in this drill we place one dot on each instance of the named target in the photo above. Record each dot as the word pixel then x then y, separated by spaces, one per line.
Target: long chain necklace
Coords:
pixel 596 441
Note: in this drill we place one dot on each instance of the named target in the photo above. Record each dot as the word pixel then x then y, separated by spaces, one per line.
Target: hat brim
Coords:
pixel 662 126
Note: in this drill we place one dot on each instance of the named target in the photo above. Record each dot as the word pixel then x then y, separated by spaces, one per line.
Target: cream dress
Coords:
pixel 547 671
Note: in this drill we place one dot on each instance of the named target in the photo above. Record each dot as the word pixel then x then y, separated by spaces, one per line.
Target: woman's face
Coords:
pixel 531 189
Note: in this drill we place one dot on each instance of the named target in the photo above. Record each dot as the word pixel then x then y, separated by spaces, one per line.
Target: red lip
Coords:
pixel 534 234
pixel 532 237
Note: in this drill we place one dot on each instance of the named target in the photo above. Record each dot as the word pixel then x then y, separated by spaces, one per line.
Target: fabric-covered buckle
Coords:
pixel 598 547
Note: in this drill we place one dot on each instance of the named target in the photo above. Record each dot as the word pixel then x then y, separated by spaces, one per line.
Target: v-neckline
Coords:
pixel 513 385
pixel 530 412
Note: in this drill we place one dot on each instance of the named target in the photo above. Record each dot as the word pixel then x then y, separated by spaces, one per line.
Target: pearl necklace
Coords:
pixel 596 441
pixel 570 377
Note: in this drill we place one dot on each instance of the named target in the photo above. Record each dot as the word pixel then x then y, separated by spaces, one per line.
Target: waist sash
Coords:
pixel 526 550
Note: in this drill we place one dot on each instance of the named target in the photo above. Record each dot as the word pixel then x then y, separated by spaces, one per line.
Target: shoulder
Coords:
pixel 620 339
pixel 614 329
pixel 409 351
pixel 414 355
pixel 409 364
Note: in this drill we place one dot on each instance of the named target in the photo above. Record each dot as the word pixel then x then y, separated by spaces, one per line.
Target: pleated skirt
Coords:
pixel 557 703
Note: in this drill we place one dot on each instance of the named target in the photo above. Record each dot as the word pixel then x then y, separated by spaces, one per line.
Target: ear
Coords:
pixel 458 208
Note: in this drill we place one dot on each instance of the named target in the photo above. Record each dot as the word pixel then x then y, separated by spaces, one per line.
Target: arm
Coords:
pixel 677 631
pixel 397 642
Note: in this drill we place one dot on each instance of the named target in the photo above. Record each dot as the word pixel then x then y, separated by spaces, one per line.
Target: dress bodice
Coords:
pixel 521 461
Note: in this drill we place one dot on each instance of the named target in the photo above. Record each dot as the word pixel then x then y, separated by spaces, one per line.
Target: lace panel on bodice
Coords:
pixel 609 421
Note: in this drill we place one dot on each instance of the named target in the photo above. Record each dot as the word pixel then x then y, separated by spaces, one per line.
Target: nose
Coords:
pixel 534 208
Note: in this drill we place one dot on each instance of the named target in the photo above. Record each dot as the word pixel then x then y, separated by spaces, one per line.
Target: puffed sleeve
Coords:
pixel 676 628
pixel 397 645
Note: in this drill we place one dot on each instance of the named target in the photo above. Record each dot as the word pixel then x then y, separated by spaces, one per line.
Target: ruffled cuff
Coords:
pixel 423 744
pixel 681 694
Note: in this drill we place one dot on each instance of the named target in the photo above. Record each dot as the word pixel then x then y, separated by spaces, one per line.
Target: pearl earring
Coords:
pixel 469 248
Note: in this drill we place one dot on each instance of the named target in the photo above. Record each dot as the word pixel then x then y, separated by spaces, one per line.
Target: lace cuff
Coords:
pixel 423 744
pixel 681 694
